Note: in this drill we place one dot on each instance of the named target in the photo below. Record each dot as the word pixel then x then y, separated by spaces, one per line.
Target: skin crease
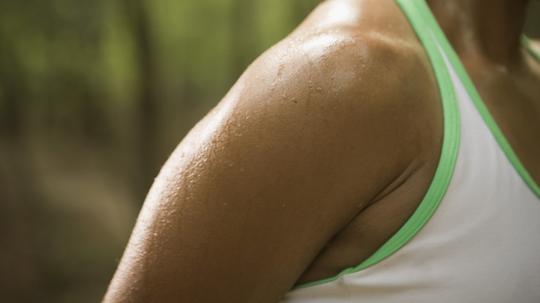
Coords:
pixel 319 153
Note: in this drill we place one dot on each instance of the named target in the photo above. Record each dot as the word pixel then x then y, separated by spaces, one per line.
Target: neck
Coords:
pixel 488 28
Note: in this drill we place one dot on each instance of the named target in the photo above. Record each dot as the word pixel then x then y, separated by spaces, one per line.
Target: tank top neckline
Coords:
pixel 423 9
pixel 438 48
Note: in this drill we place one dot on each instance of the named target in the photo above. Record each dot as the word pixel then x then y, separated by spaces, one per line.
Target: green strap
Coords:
pixel 475 96
pixel 447 161
pixel 428 31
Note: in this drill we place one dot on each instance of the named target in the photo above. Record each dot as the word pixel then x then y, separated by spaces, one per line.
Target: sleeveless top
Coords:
pixel 475 236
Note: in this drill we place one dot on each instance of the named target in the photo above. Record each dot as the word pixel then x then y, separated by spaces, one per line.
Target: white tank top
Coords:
pixel 475 237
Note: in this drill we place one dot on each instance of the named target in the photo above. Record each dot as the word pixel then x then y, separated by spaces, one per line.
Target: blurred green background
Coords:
pixel 94 95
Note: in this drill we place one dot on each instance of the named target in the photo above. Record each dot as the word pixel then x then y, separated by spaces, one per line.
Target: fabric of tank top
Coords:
pixel 475 237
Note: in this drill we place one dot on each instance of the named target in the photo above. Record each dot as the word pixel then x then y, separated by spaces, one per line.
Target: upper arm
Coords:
pixel 293 152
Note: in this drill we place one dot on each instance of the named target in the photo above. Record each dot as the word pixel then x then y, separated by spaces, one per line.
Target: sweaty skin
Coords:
pixel 318 154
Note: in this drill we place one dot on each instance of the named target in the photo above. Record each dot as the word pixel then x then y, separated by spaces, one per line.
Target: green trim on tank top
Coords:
pixel 447 161
pixel 477 99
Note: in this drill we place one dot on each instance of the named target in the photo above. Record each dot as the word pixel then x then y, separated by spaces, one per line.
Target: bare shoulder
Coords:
pixel 355 67
pixel 312 132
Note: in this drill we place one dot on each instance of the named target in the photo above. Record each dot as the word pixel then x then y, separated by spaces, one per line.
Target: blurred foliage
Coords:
pixel 94 95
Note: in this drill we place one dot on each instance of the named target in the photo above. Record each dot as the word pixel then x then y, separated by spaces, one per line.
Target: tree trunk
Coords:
pixel 146 110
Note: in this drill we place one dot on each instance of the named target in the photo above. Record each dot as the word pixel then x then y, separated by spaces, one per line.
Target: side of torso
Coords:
pixel 375 225
pixel 485 193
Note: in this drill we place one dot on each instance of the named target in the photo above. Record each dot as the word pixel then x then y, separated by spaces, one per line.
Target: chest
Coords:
pixel 513 99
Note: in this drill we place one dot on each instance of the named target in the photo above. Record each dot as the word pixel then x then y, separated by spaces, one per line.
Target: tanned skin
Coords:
pixel 319 153
pixel 488 41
